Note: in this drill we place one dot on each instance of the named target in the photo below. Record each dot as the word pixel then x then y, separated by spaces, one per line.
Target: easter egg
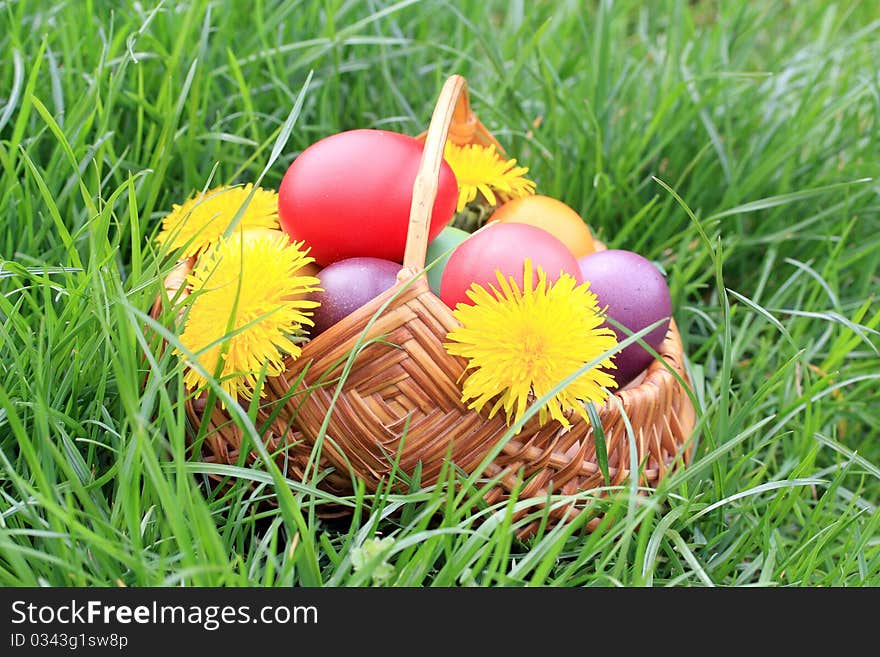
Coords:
pixel 503 247
pixel 349 195
pixel 309 269
pixel 449 238
pixel 636 295
pixel 347 285
pixel 553 216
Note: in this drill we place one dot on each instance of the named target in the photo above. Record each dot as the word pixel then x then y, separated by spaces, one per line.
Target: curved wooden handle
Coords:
pixel 452 96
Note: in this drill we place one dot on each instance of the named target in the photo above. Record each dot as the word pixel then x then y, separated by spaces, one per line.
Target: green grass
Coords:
pixel 734 143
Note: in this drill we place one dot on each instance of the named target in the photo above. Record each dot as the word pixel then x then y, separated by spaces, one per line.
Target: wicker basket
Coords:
pixel 400 406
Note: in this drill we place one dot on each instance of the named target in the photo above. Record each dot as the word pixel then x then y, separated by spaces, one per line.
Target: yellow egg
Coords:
pixel 553 216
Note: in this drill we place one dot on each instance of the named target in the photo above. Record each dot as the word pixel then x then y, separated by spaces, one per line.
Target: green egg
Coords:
pixel 443 245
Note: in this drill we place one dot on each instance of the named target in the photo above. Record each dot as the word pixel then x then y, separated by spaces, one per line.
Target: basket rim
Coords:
pixel 412 284
pixel 415 283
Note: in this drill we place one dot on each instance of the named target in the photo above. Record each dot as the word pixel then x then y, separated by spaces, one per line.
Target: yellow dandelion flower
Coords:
pixel 200 222
pixel 481 169
pixel 248 304
pixel 521 343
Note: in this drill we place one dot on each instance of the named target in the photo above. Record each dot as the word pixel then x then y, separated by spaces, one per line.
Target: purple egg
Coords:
pixel 637 296
pixel 347 285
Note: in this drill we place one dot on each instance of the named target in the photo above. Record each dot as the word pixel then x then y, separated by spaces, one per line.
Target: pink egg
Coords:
pixel 503 247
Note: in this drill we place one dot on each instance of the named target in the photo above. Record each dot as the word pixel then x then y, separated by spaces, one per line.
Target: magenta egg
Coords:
pixel 637 296
pixel 347 285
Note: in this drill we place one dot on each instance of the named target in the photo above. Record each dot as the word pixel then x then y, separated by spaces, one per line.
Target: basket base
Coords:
pixel 223 441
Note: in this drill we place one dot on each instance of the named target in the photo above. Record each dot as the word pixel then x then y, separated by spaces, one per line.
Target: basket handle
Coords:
pixel 453 100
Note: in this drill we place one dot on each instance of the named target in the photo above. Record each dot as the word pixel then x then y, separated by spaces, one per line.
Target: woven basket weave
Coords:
pixel 400 406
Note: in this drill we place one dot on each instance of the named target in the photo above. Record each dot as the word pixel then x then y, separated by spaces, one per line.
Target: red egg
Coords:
pixel 349 195
pixel 503 247
pixel 637 296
